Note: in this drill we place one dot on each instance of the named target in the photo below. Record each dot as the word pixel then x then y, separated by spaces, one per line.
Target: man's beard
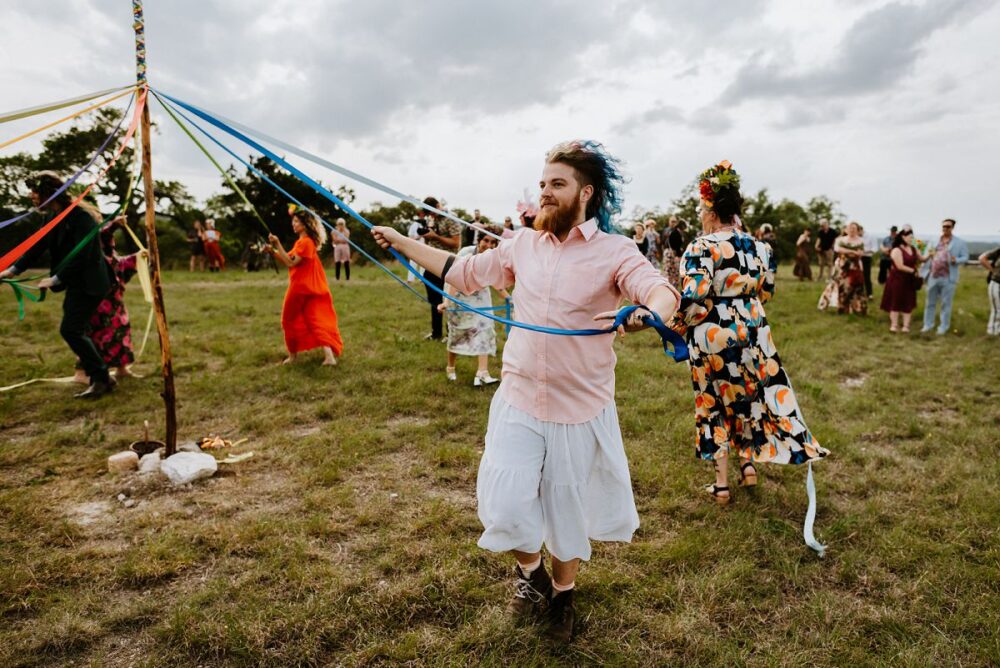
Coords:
pixel 559 220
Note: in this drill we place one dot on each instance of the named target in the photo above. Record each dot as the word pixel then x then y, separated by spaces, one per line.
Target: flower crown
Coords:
pixel 714 179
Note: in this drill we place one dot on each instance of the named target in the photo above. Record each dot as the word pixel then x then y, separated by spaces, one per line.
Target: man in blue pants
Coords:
pixel 941 275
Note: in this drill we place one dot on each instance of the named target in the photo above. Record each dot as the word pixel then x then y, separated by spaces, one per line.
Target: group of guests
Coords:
pixel 84 263
pixel 554 472
pixel 203 240
pixel 206 253
pixel 662 248
pixel 468 334
pixel 904 269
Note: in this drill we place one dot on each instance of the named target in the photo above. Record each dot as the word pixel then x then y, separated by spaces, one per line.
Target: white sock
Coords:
pixel 532 567
pixel 561 588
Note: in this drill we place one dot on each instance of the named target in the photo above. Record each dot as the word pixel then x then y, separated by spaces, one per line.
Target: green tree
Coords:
pixel 821 206
pixel 237 222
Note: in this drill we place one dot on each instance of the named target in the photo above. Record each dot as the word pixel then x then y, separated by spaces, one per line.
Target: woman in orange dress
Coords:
pixel 307 317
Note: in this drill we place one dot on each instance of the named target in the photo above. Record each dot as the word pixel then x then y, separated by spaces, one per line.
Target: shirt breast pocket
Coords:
pixel 585 292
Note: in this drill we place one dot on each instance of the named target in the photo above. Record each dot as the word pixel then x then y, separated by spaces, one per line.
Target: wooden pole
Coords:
pixel 166 360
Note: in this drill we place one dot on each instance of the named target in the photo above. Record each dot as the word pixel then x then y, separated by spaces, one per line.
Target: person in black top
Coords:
pixel 824 247
pixel 85 278
pixel 672 243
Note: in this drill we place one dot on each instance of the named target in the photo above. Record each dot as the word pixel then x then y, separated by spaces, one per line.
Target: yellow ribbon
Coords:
pixel 66 118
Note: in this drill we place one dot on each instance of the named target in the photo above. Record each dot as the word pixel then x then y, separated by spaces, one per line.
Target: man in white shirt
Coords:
pixel 871 247
pixel 414 234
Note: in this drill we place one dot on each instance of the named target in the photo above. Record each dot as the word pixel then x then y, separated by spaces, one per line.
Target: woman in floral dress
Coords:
pixel 848 280
pixel 743 398
pixel 469 333
pixel 109 327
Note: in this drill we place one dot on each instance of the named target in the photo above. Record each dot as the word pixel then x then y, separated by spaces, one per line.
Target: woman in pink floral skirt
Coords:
pixel 109 327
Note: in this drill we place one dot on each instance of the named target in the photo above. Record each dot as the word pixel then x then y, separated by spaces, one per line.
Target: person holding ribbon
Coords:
pixel 744 400
pixel 470 333
pixel 109 326
pixel 554 470
pixel 78 267
pixel 308 317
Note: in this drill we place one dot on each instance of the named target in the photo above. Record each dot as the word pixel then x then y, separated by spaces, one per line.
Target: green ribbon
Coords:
pixel 22 292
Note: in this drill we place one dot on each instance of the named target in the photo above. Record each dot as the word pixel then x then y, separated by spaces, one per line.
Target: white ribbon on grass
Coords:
pixel 807 528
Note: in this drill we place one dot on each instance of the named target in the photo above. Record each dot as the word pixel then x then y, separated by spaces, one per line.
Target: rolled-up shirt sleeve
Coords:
pixel 637 277
pixel 494 268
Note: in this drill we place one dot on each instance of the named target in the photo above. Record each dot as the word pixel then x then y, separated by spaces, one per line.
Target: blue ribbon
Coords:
pixel 72 179
pixel 669 336
pixel 337 168
pixel 288 195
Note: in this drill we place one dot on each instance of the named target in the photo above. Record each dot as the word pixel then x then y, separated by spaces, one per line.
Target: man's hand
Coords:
pixel 46 283
pixel 387 237
pixel 6 273
pixel 633 324
pixel 441 307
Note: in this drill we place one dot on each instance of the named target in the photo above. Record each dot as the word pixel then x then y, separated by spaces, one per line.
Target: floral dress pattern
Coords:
pixel 109 326
pixel 743 397
pixel 846 290
pixel 468 333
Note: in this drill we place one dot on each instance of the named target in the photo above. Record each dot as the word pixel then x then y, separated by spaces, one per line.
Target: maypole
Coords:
pixel 166 361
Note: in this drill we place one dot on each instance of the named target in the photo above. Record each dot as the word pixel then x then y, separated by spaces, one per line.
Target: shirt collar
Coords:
pixel 587 230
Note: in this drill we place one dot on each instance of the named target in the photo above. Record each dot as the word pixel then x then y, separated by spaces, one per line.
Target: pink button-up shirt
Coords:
pixel 566 379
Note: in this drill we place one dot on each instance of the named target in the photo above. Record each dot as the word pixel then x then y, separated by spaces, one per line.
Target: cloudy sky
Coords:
pixel 890 108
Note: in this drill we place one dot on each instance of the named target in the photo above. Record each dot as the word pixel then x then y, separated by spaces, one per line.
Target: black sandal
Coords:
pixel 717 493
pixel 745 477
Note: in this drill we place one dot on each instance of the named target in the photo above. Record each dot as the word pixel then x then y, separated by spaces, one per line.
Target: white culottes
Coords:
pixel 561 484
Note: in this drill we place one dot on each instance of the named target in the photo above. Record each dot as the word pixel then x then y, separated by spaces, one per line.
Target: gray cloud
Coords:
pixel 805 114
pixel 878 51
pixel 658 113
pixel 366 62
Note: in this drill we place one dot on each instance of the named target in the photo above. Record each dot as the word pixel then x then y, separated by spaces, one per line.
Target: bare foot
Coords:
pixel 81 378
pixel 330 361
pixel 123 372
pixel 289 359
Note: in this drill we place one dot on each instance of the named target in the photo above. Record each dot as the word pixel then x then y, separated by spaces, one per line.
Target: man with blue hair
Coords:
pixel 554 469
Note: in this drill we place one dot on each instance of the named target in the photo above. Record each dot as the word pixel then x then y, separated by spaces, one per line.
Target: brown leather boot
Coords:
pixel 531 593
pixel 562 617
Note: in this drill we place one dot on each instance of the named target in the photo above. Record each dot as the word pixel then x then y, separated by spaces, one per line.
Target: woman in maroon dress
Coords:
pixel 900 296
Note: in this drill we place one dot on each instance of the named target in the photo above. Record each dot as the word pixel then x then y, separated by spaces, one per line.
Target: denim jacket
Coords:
pixel 957 248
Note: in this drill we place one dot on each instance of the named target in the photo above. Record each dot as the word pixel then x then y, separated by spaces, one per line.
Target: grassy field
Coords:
pixel 350 537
